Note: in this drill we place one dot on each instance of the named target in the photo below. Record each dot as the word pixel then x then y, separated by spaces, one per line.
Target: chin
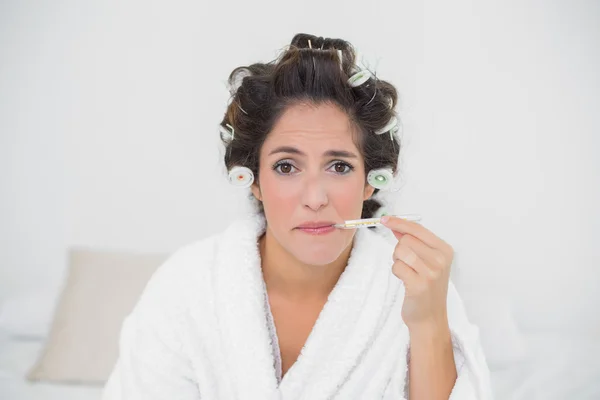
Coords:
pixel 317 254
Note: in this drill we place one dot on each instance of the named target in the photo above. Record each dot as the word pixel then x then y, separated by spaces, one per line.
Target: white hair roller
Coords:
pixel 381 211
pixel 389 126
pixel 237 80
pixel 380 178
pixel 241 177
pixel 227 134
pixel 359 78
pixel 392 127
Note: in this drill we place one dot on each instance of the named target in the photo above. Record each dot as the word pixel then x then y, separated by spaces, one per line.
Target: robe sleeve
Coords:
pixel 473 375
pixel 152 362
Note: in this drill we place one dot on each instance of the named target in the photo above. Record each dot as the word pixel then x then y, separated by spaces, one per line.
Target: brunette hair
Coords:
pixel 309 70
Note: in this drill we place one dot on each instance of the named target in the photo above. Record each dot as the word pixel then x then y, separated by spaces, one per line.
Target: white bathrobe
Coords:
pixel 203 329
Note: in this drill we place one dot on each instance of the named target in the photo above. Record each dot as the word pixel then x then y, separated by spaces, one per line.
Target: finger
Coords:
pixel 399 225
pixel 405 273
pixel 433 257
pixel 406 255
pixel 397 234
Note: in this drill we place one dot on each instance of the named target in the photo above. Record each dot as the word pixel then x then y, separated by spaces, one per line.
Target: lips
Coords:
pixel 315 224
pixel 316 227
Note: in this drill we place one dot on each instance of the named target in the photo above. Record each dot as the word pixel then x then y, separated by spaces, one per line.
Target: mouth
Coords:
pixel 317 227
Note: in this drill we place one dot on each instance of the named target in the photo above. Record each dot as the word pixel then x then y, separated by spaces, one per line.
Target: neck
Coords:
pixel 286 275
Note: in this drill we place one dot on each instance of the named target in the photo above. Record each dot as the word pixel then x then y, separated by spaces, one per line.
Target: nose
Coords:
pixel 314 194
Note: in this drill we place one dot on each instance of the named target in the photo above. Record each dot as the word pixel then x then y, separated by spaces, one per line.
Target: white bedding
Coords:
pixel 16 358
pixel 556 368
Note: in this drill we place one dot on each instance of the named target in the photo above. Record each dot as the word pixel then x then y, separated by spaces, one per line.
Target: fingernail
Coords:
pixel 385 219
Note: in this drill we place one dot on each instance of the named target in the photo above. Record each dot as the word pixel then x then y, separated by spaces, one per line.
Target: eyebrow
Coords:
pixel 328 153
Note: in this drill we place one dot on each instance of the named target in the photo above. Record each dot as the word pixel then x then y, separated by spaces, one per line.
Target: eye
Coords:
pixel 342 168
pixel 284 167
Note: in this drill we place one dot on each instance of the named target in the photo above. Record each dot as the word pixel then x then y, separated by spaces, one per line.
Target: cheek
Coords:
pixel 278 196
pixel 347 198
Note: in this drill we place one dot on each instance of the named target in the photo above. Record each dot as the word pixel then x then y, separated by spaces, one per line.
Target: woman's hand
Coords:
pixel 422 261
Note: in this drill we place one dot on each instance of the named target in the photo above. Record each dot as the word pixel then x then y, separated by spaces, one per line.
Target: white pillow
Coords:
pixel 28 315
pixel 101 289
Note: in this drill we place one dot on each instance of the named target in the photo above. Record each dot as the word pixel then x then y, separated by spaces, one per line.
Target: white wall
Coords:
pixel 108 138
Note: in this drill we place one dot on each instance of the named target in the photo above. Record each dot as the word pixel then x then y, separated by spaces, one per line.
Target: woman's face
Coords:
pixel 311 175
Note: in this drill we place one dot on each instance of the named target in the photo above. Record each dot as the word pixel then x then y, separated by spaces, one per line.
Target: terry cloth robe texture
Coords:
pixel 202 330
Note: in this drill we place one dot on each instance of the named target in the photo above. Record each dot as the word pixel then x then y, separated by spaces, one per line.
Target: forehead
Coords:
pixel 313 126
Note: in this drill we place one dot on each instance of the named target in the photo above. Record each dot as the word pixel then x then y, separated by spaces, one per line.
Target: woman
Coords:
pixel 282 305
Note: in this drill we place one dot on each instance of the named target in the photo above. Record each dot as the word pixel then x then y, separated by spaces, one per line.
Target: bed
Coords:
pixel 82 325
pixel 555 368
pixel 17 356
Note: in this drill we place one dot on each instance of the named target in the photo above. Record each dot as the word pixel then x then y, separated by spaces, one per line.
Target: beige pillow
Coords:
pixel 101 289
